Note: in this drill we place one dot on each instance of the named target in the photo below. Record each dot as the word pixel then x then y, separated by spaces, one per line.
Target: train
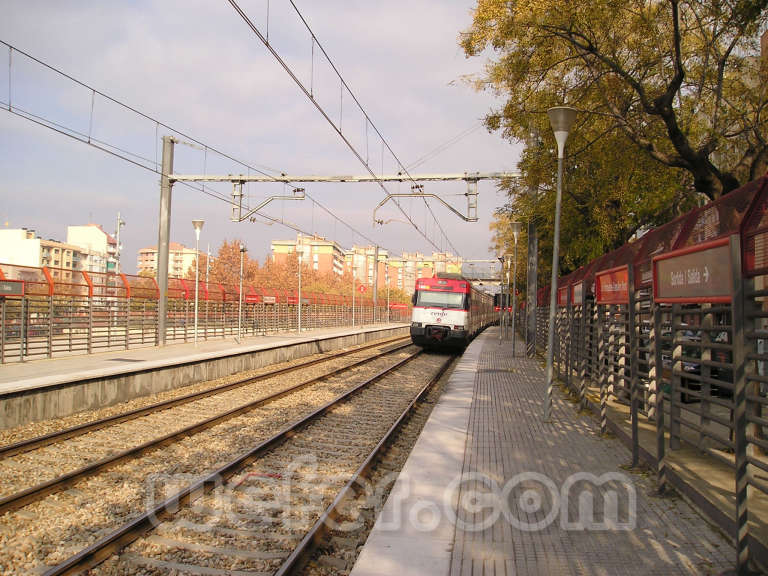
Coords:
pixel 448 311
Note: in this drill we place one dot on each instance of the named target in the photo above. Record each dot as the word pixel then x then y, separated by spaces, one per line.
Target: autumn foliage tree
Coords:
pixel 671 99
pixel 680 79
pixel 225 269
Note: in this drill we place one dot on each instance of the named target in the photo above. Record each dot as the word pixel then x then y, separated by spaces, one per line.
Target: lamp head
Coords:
pixel 561 118
pixel 198 225
pixel 516 228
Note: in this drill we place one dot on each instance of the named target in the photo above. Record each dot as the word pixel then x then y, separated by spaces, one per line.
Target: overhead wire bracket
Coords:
pixel 237 201
pixel 418 192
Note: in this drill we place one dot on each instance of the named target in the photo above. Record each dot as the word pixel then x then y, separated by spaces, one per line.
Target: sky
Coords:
pixel 196 67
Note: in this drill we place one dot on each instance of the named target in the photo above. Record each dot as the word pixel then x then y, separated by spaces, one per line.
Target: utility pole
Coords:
pixel 533 270
pixel 240 297
pixel 120 224
pixel 207 264
pixel 163 239
pixel 299 318
pixel 386 281
pixel 353 289
pixel 375 281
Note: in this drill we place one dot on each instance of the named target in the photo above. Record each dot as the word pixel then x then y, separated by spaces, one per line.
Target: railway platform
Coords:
pixel 50 388
pixel 490 488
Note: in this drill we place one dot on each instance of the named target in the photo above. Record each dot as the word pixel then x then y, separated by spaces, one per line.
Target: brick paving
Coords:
pixel 515 517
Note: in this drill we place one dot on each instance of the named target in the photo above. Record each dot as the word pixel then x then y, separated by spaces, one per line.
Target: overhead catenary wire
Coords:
pixel 158 123
pixel 343 85
pixel 445 145
pixel 149 164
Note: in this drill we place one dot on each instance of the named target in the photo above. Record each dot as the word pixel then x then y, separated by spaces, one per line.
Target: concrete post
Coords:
pixel 164 235
pixel 375 281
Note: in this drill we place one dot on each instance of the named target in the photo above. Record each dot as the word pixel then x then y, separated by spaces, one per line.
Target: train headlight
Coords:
pixel 415 324
pixel 457 327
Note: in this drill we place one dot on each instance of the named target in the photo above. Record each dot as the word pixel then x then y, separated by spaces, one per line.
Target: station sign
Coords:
pixel 612 286
pixel 362 288
pixel 562 296
pixel 252 298
pixel 577 293
pixel 13 288
pixel 695 274
pixel 269 300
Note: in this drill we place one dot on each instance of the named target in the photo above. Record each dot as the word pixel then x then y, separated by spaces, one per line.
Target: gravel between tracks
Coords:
pixel 34 429
pixel 34 467
pixel 337 553
pixel 46 532
pixel 254 520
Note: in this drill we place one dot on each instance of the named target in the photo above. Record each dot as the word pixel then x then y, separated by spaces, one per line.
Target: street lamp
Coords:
pixel 198 226
pixel 516 227
pixel 501 301
pixel 243 249
pixel 299 319
pixel 119 246
pixel 386 281
pixel 561 118
pixel 353 290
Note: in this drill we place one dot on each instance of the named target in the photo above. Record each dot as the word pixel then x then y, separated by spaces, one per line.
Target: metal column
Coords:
pixel 164 235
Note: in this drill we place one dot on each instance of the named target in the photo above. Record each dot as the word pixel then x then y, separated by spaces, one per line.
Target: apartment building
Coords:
pixel 180 259
pixel 324 256
pixel 22 247
pixel 99 247
pixel 360 260
pixel 405 270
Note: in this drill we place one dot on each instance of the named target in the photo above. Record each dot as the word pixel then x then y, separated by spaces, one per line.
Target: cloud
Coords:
pixel 194 65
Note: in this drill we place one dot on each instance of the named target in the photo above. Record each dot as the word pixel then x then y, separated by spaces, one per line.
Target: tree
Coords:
pixel 610 191
pixel 226 266
pixel 679 79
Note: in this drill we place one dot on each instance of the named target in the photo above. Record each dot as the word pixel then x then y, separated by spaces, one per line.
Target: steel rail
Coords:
pixel 301 554
pixel 74 431
pixel 122 537
pixel 35 493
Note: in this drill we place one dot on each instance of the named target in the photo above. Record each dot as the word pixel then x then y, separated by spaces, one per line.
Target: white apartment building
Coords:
pixel 180 259
pixel 99 247
pixel 22 247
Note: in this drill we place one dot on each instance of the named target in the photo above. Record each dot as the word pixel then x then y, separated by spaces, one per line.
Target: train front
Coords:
pixel 440 315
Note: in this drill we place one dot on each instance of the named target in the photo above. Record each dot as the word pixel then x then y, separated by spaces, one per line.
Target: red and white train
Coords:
pixel 448 311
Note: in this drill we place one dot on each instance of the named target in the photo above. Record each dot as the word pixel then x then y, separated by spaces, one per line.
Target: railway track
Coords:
pixel 64 433
pixel 263 511
pixel 51 469
pixel 79 507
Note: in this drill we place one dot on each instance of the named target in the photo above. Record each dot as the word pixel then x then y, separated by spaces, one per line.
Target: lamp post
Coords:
pixel 354 276
pixel 516 227
pixel 386 281
pixel 501 301
pixel 240 299
pixel 198 226
pixel 299 319
pixel 120 223
pixel 561 119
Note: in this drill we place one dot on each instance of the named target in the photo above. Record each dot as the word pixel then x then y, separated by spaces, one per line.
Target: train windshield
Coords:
pixel 440 300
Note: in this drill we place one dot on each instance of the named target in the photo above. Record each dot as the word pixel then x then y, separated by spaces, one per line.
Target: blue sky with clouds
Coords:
pixel 195 66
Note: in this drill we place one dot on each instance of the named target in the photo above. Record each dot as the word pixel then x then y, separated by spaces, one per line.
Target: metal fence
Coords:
pixel 675 325
pixel 70 312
